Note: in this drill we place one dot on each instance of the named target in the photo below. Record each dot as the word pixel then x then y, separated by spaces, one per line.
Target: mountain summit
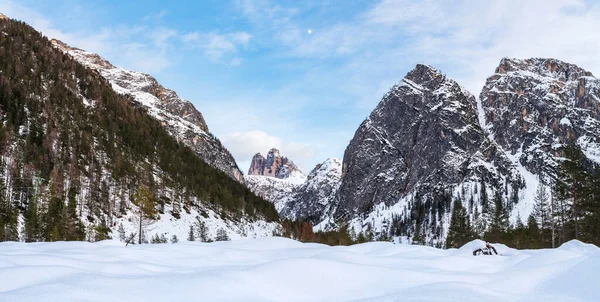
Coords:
pixel 181 119
pixel 274 165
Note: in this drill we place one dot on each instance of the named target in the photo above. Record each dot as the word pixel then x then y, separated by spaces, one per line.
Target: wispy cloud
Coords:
pixel 316 88
pixel 219 46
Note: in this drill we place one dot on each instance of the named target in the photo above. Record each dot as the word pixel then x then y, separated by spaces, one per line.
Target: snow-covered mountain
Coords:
pixel 533 106
pixel 79 137
pixel 299 196
pixel 429 141
pixel 314 199
pixel 422 137
pixel 179 117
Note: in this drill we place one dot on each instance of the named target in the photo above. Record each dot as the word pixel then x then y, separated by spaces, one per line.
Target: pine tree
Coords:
pixel 31 226
pixel 201 230
pixel 541 209
pixel 121 231
pixel 499 223
pixel 174 239
pixel 460 231
pixel 533 232
pixel 191 236
pixel 570 189
pixel 222 235
pixel 145 202
pixel 419 237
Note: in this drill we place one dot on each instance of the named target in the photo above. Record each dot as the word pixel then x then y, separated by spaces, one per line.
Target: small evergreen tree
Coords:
pixel 174 239
pixel 201 230
pixel 191 236
pixel 121 231
pixel 460 231
pixel 222 235
pixel 533 232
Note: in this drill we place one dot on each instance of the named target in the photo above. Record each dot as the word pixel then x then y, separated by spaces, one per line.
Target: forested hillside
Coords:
pixel 73 151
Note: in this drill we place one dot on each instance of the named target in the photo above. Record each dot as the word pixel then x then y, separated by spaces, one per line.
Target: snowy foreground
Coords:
pixel 277 269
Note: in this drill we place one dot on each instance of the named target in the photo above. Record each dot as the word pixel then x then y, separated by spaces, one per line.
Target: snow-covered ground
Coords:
pixel 278 269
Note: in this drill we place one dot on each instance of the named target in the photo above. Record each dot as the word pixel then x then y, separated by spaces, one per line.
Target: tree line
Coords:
pixel 565 208
pixel 73 151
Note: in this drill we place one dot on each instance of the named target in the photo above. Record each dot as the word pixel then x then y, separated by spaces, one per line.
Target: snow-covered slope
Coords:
pixel 278 269
pixel 178 116
pixel 315 198
pixel 298 196
pixel 278 191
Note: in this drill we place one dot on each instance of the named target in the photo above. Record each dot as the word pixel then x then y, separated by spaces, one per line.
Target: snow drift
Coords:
pixel 278 269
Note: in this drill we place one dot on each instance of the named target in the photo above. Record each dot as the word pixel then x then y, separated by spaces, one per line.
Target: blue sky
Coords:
pixel 261 80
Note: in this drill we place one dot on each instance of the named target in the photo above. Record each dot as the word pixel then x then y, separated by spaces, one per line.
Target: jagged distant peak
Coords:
pixel 3 17
pixel 274 165
pixel 547 67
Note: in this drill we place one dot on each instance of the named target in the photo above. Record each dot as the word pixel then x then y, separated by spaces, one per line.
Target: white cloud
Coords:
pixel 243 146
pixel 217 46
pixel 470 38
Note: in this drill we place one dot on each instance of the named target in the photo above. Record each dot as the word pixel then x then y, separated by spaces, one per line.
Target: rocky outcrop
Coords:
pixel 311 199
pixel 423 135
pixel 274 165
pixel 532 107
pixel 179 117
pixel 315 199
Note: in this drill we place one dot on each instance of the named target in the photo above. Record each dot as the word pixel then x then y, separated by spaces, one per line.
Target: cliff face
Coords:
pixel 423 135
pixel 274 165
pixel 311 197
pixel 533 106
pixel 181 119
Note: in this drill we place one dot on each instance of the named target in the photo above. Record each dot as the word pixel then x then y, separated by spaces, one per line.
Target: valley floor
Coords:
pixel 278 269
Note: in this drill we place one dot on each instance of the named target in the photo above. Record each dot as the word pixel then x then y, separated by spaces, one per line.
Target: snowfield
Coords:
pixel 278 269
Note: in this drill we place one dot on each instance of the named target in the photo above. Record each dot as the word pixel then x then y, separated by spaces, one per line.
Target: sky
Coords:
pixel 302 75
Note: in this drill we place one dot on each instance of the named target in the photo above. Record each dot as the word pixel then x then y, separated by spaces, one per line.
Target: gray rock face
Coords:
pixel 309 197
pixel 533 106
pixel 274 165
pixel 179 117
pixel 424 134
pixel 314 199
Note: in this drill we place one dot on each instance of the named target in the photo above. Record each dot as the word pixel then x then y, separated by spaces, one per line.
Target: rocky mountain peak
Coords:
pixel 178 116
pixel 132 82
pixel 545 67
pixel 3 17
pixel 426 76
pixel 423 135
pixel 532 107
pixel 274 165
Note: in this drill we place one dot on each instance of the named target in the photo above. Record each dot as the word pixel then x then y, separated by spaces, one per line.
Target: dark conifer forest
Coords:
pixel 72 150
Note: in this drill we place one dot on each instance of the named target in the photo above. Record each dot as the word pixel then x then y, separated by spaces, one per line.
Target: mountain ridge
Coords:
pixel 178 116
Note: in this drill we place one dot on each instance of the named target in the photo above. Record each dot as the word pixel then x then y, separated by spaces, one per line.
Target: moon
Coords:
pixel 310 31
